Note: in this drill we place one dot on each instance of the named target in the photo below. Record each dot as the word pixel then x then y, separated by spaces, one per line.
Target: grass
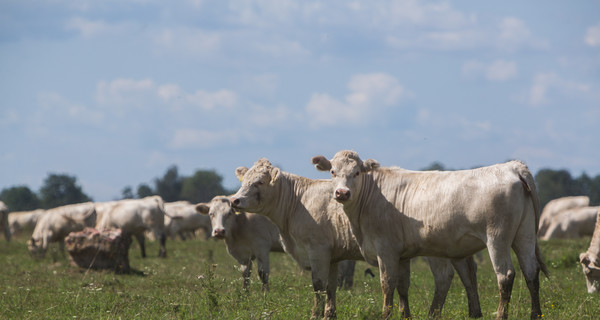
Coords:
pixel 199 280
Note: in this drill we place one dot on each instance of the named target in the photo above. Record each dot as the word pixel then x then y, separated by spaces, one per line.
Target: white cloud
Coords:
pixel 514 34
pixel 93 28
pixel 211 100
pixel 187 41
pixel 545 84
pixel 369 94
pixel 498 70
pixel 467 129
pixel 124 92
pixel 55 107
pixel 592 36
pixel 188 138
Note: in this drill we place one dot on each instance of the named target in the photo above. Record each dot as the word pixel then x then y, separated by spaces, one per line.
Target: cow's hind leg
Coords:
pixel 467 271
pixel 140 239
pixel 262 259
pixel 162 251
pixel 525 252
pixel 505 273
pixel 442 274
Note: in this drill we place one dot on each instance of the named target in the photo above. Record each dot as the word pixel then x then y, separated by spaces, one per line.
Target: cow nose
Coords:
pixel 342 194
pixel 219 233
pixel 235 201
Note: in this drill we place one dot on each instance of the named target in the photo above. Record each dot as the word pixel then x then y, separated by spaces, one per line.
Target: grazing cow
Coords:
pixel 186 220
pixel 55 224
pixel 316 233
pixel 572 224
pixel 20 221
pixel 248 236
pixel 590 260
pixel 134 217
pixel 398 214
pixel 554 207
pixel 4 220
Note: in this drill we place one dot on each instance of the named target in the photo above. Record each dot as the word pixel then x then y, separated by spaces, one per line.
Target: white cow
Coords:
pixel 186 220
pixel 20 221
pixel 398 214
pixel 248 236
pixel 4 220
pixel 55 224
pixel 316 233
pixel 554 207
pixel 590 260
pixel 572 223
pixel 134 217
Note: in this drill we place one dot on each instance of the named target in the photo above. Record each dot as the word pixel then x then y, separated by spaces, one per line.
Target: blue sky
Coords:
pixel 114 92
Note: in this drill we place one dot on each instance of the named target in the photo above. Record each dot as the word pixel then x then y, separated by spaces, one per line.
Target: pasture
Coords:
pixel 199 280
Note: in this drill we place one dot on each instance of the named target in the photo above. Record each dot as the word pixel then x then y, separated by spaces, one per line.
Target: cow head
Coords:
pixel 36 249
pixel 257 184
pixel 221 215
pixel 591 269
pixel 346 169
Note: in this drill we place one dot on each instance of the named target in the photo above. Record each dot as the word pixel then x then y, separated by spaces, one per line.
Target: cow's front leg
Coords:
pixel 319 263
pixel 330 308
pixel 246 267
pixel 390 272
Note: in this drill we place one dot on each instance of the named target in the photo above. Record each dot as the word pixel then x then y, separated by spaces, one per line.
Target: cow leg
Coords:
pixel 442 274
pixel 140 239
pixel 505 273
pixel 394 275
pixel 525 252
pixel 162 252
pixel 262 259
pixel 330 306
pixel 319 264
pixel 346 274
pixel 467 271
pixel 6 230
pixel 246 271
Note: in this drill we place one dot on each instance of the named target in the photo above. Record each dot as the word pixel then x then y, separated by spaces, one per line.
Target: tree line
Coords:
pixel 203 185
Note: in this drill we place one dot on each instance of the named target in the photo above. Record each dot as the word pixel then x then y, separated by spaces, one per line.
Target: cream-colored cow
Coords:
pixel 590 260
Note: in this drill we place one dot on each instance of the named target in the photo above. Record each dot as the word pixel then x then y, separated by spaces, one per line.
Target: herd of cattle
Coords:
pixel 382 215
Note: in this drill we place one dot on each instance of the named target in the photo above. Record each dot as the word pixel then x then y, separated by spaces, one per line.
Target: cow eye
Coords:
pixel 332 173
pixel 357 173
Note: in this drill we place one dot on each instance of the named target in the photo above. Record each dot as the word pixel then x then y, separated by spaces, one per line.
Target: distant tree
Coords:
pixel 59 190
pixel 20 198
pixel 144 190
pixel 202 186
pixel 127 193
pixel 554 184
pixel 435 166
pixel 169 187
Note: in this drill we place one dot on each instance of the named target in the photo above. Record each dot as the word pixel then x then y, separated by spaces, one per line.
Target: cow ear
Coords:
pixel 370 165
pixel 203 208
pixel 321 163
pixel 275 175
pixel 240 172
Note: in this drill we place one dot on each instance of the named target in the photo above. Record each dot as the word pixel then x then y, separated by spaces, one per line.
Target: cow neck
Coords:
pixel 286 200
pixel 239 220
pixel 595 243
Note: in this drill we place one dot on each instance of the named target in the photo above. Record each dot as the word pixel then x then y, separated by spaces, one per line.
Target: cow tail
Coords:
pixel 529 183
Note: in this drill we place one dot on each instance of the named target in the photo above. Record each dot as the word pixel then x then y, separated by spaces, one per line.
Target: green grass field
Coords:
pixel 199 280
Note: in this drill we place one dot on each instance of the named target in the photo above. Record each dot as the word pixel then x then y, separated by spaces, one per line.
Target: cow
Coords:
pixel 4 221
pixel 316 233
pixel 398 214
pixel 572 224
pixel 186 220
pixel 555 207
pixel 55 224
pixel 20 221
pixel 134 217
pixel 248 236
pixel 590 260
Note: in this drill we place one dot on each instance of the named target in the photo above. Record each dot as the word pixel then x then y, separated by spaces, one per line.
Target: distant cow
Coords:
pixel 398 214
pixel 21 221
pixel 572 223
pixel 315 231
pixel 555 207
pixel 134 217
pixel 248 236
pixel 186 220
pixel 55 224
pixel 590 260
pixel 4 220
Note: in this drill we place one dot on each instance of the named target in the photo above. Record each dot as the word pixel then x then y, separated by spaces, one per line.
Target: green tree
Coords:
pixel 202 186
pixel 169 187
pixel 554 184
pixel 127 193
pixel 20 198
pixel 59 190
pixel 144 190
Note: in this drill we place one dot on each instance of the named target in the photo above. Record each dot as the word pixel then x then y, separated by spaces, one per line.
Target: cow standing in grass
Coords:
pixel 21 221
pixel 4 220
pixel 248 236
pixel 398 214
pixel 316 233
pixel 186 220
pixel 590 260
pixel 55 224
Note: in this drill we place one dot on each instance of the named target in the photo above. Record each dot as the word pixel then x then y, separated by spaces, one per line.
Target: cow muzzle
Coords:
pixel 219 233
pixel 342 194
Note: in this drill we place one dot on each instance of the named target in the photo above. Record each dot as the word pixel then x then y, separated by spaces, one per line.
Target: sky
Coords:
pixel 114 92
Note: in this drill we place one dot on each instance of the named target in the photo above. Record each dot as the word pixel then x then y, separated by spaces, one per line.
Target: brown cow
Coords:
pixel 398 214
pixel 316 233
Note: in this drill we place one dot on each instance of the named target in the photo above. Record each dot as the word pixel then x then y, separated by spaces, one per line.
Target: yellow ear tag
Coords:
pixel 237 212
pixel 241 179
